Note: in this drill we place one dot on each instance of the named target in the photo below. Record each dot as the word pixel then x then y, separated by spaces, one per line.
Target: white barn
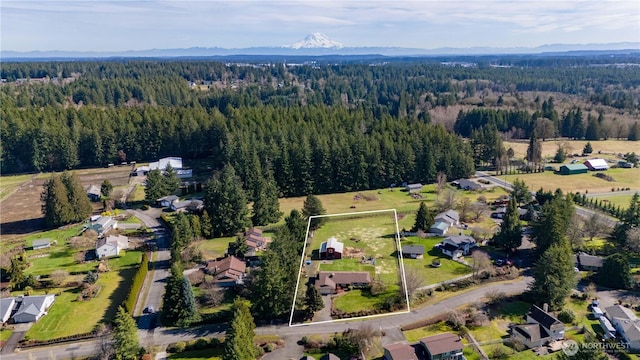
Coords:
pixel 596 164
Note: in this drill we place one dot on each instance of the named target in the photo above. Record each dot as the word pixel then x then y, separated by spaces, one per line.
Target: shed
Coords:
pixel 41 243
pixel 413 251
pixel 596 164
pixel 439 228
pixel 466 184
pixel 412 188
pixel 571 169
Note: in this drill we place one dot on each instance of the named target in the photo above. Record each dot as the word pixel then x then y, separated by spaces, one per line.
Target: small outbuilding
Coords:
pixel 597 164
pixel 413 251
pixel 414 188
pixel 41 244
pixel 572 169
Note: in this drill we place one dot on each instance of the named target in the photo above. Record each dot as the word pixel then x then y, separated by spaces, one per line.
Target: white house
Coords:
pixel 458 245
pixel 102 224
pixel 6 307
pixel 451 217
pixel 32 308
pixel 627 325
pixel 111 246
pixel 596 164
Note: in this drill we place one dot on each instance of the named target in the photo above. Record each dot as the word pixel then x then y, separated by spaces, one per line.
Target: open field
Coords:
pixel 359 300
pixel 579 182
pixel 205 354
pixel 21 197
pixel 68 316
pixel 550 147
pixel 622 200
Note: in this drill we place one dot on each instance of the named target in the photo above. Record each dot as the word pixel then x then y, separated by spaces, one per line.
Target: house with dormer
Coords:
pixel 459 245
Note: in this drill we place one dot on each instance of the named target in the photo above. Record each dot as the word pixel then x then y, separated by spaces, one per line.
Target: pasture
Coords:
pixel 579 182
pixel 549 147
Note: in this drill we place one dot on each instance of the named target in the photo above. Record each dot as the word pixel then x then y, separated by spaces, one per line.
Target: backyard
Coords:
pixel 448 269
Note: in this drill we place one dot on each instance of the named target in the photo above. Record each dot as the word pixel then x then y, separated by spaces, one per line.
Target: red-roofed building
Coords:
pixel 227 272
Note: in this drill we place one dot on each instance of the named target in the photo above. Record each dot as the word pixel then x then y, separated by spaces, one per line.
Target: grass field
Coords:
pixel 5 334
pixel 579 182
pixel 550 147
pixel 68 316
pixel 360 300
pixel 448 269
pixel 9 183
pixel 622 200
pixel 215 248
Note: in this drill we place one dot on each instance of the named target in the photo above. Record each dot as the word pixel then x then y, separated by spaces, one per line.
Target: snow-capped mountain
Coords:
pixel 315 41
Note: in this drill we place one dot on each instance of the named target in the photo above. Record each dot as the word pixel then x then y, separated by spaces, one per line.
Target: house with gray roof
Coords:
pixel 626 324
pixel 413 251
pixel 329 282
pixel 102 224
pixel 443 346
pixel 439 228
pixel 32 308
pixel 586 262
pixel 94 193
pixel 399 351
pixel 111 246
pixel 451 217
pixel 541 329
pixel 413 188
pixel 466 184
pixel 456 246
pixel 166 201
pixel 6 308
pixel 554 327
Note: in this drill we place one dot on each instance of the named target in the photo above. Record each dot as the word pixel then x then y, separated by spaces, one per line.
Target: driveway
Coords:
pixel 19 331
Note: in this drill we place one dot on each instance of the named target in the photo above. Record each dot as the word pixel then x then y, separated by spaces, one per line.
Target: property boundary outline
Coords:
pixel 401 262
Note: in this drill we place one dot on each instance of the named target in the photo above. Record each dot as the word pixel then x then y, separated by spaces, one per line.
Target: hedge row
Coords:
pixel 138 281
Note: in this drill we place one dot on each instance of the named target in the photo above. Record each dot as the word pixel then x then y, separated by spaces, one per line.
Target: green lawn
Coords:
pixel 417 334
pixel 205 354
pixel 359 300
pixel 448 269
pixel 69 316
pixel 5 334
pixel 9 183
pixel 215 248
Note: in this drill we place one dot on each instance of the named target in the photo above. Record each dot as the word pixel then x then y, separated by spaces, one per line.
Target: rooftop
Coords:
pixel 442 343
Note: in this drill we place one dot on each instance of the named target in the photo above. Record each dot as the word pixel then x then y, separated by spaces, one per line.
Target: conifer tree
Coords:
pixel 510 234
pixel 297 225
pixel 178 306
pixel 106 187
pixel 554 276
pixel 226 203
pixel 616 272
pixel 424 219
pixel 78 200
pixel 534 150
pixel 170 180
pixel 551 226
pixel 313 299
pixel 155 186
pixel 266 207
pixel 55 203
pixel 125 336
pixel 313 207
pixel 588 149
pixel 206 225
pixel 239 343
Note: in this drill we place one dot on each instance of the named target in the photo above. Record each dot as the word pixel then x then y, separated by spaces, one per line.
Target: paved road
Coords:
pixel 164 336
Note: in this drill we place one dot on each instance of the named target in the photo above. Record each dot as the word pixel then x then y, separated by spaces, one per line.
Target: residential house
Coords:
pixel 466 184
pixel 541 329
pixel 94 193
pixel 255 240
pixel 446 346
pixel 399 351
pixel 413 188
pixel 608 329
pixel 32 308
pixel 439 228
pixel 451 217
pixel 329 282
pixel 167 200
pixel 572 169
pixel 413 251
pixel 41 244
pixel 111 246
pixel 227 272
pixel 102 224
pixel 596 164
pixel 586 262
pixel 6 308
pixel 458 245
pixel 554 327
pixel 331 249
pixel 626 324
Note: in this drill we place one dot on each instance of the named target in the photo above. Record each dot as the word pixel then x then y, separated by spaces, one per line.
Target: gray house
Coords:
pixel 413 251
pixel 586 262
pixel 627 325
pixel 102 224
pixel 6 308
pixel 32 308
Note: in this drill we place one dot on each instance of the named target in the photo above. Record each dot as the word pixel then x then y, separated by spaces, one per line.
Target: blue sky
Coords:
pixel 92 25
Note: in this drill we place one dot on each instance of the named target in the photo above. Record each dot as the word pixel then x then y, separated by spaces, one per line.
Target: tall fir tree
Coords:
pixel 424 219
pixel 154 189
pixel 55 203
pixel 554 276
pixel 170 180
pixel 551 226
pixel 207 230
pixel 313 207
pixel 125 336
pixel 78 199
pixel 266 207
pixel 510 234
pixel 313 299
pixel 178 305
pixel 616 272
pixel 534 150
pixel 239 339
pixel 297 225
pixel 226 203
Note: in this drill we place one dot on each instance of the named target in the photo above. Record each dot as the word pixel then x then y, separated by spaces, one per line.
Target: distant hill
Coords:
pixel 320 45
